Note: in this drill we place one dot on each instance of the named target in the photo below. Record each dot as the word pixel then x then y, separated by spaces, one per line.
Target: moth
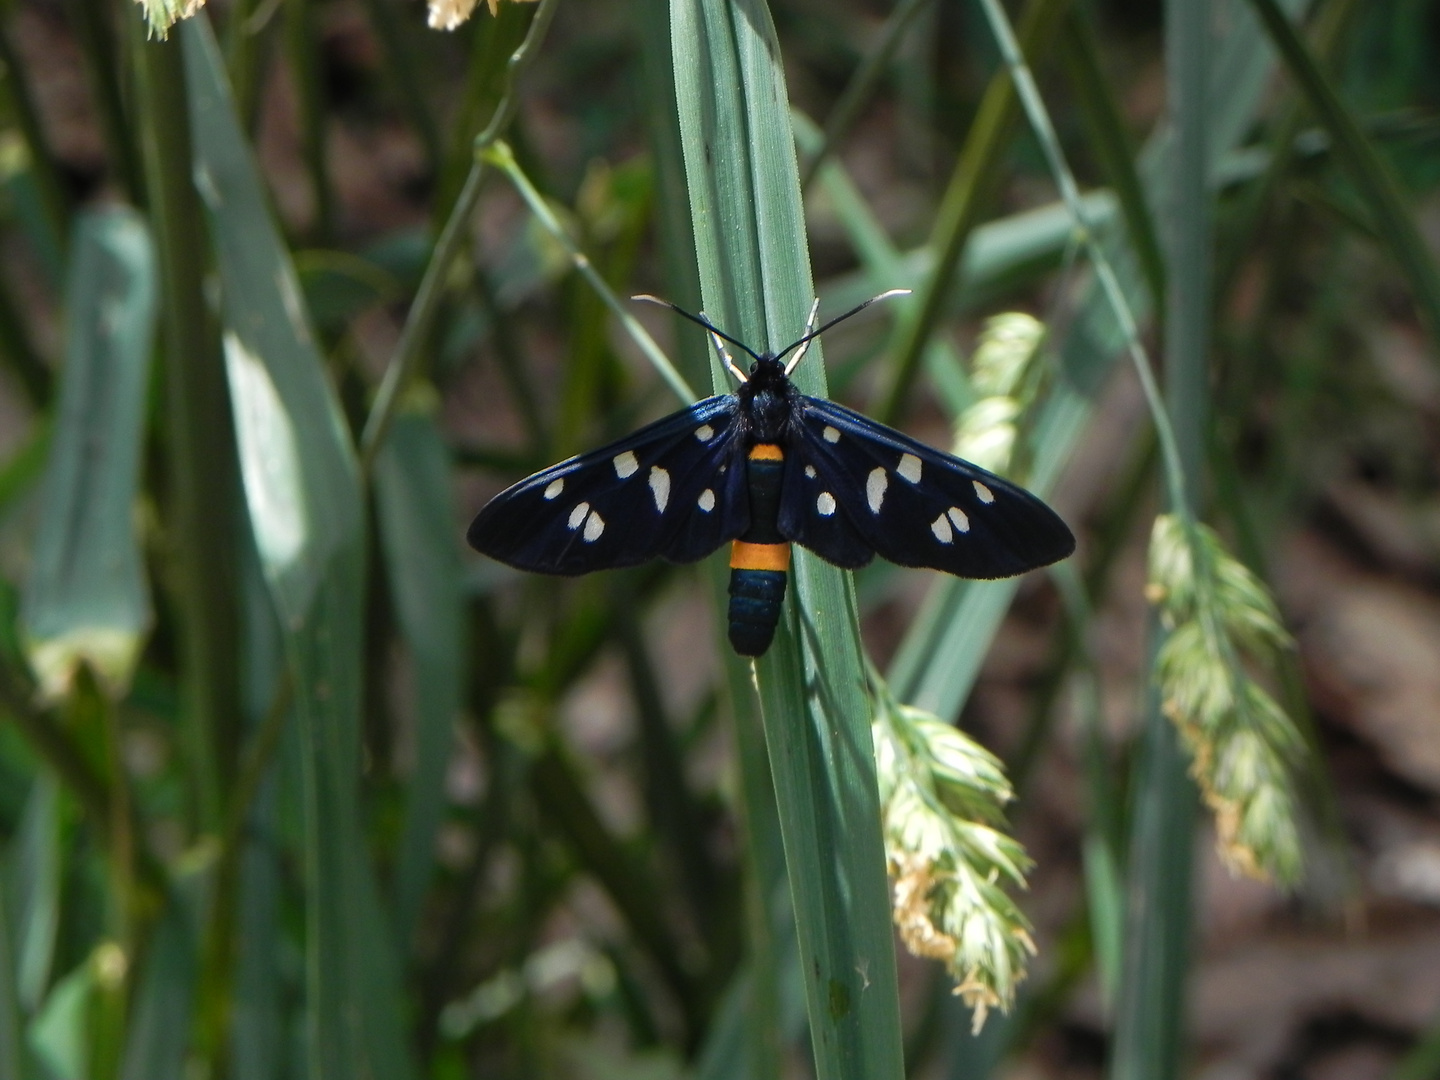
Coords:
pixel 762 469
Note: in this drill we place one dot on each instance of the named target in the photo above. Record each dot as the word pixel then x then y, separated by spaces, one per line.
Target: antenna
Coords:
pixel 717 335
pixel 811 335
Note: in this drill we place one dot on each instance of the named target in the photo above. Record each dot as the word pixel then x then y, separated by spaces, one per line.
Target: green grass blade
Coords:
pixel 201 519
pixel 755 279
pixel 1157 916
pixel 302 489
pixel 1149 1014
pixel 42 202
pixel 258 998
pixel 36 875
pixel 159 1023
pixel 61 1035
pixel 87 599
pixel 856 94
pixel 12 1042
pixel 959 619
pixel 302 47
pixel 417 531
pixel 972 188
pixel 1101 114
pixel 1356 154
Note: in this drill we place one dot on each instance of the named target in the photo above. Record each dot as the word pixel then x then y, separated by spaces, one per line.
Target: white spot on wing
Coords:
pixel 704 433
pixel 941 528
pixel 810 471
pixel 625 464
pixel 578 515
pixel 955 514
pixel 825 504
pixel 830 434
pixel 660 487
pixel 706 501
pixel 986 495
pixel 594 526
pixel 875 485
pixel 909 468
pixel 554 488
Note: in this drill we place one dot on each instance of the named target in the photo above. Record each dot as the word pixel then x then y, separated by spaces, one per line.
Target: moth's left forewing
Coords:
pixel 918 506
pixel 667 491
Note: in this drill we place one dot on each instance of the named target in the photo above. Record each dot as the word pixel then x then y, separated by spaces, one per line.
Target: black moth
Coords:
pixel 762 468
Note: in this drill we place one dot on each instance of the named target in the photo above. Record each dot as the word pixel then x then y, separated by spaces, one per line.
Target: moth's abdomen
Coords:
pixel 756 597
pixel 760 559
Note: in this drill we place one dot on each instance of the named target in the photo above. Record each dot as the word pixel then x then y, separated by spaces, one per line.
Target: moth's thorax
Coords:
pixel 768 401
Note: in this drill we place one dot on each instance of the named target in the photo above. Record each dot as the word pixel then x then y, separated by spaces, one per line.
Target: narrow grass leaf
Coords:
pixel 1110 143
pixel 755 279
pixel 417 531
pixel 36 869
pixel 937 661
pixel 258 1043
pixel 158 1031
pixel 12 1042
pixel 1001 257
pixel 61 1033
pixel 1150 1003
pixel 1376 184
pixel 302 491
pixel 87 600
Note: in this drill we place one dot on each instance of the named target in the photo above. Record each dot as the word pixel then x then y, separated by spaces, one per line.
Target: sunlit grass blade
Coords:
pixel 302 491
pixel 87 599
pixel 417 526
pixel 755 279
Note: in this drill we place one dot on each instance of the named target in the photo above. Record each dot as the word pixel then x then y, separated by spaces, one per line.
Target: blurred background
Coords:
pixel 505 813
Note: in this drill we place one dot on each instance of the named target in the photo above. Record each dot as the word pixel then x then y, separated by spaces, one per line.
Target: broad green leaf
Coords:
pixel 86 600
pixel 302 492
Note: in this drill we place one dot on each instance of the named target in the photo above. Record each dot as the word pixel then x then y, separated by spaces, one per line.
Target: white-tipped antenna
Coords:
pixel 810 335
pixel 809 329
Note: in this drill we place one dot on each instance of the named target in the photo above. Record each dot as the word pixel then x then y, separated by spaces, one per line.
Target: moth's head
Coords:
pixel 766 366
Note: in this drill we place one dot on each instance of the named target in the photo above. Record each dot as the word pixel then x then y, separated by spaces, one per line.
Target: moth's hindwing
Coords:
pixel 673 490
pixel 853 482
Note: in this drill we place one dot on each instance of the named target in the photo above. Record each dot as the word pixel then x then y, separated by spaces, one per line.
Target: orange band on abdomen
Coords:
pixel 745 556
pixel 766 452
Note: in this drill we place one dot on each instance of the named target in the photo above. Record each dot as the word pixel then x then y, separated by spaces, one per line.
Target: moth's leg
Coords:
pixel 725 358
pixel 809 329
